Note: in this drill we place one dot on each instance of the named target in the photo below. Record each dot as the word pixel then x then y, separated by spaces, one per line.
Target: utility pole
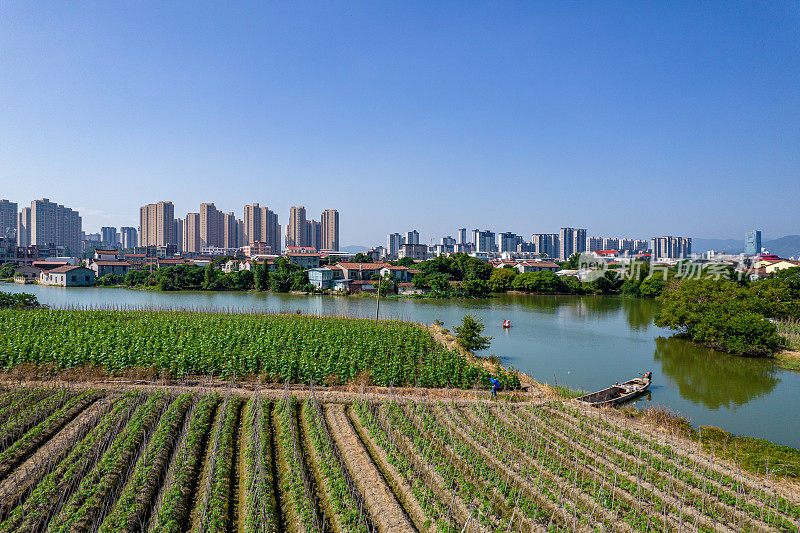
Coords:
pixel 378 306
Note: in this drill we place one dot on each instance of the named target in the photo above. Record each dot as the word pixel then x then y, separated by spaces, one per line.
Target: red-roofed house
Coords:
pixel 300 250
pixel 304 259
pixel 118 268
pixel 68 276
pixel 358 271
pixel 400 273
pixel 49 265
pixel 106 255
pixel 136 259
pixel 537 266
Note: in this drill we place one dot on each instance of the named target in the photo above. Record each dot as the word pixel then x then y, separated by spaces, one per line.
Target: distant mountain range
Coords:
pixel 787 246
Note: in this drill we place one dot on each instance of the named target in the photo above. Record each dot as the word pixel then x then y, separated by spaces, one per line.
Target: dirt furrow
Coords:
pixel 25 476
pixel 201 485
pixel 400 488
pixel 324 488
pixel 240 508
pixel 386 511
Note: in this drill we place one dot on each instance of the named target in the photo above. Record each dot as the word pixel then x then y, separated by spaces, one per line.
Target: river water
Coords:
pixel 586 342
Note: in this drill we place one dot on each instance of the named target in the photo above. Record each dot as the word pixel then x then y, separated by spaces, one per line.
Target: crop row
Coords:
pixel 159 462
pixel 58 483
pixel 174 504
pixel 133 504
pixel 711 476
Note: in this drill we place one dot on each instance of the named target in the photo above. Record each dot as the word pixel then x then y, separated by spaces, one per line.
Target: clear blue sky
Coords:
pixel 630 118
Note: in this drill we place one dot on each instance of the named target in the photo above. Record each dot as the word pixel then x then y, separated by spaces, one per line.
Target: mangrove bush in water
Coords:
pixel 728 315
pixel 277 347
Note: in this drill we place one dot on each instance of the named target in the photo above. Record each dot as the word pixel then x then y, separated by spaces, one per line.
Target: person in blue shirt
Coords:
pixel 495 386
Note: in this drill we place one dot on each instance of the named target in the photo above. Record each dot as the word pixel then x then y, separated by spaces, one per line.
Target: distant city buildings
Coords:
pixel 157 224
pixel 483 241
pixel 594 244
pixel 330 230
pixel 108 236
pixel 669 247
pixel 296 228
pixel 8 219
pixel 509 242
pixel 752 243
pixel 393 243
pixel 261 225
pixel 191 233
pixel 24 227
pixel 545 244
pixel 313 234
pixel 571 241
pixel 54 224
pixel 128 237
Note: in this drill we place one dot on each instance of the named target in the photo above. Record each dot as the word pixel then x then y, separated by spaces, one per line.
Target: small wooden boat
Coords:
pixel 619 393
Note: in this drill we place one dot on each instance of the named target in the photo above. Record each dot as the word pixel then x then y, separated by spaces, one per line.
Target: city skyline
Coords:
pixel 680 118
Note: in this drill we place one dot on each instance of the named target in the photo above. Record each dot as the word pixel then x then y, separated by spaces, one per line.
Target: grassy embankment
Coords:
pixel 790 357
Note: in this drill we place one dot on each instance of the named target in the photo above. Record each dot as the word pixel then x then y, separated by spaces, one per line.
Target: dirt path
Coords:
pixel 401 489
pixel 29 472
pixel 381 503
pixel 275 391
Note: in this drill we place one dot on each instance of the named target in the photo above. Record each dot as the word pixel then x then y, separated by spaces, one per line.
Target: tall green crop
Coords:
pixel 277 347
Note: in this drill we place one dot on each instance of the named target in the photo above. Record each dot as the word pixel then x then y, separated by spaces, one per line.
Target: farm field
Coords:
pixel 130 459
pixel 277 348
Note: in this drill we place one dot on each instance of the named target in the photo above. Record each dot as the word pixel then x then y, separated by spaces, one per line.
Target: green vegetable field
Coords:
pixel 278 348
pixel 183 460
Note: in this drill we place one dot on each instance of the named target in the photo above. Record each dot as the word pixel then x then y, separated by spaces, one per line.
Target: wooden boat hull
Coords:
pixel 617 395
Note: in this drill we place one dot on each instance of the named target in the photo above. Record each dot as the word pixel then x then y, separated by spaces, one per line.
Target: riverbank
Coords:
pixel 788 359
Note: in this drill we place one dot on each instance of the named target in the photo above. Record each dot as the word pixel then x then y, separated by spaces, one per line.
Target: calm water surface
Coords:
pixel 586 342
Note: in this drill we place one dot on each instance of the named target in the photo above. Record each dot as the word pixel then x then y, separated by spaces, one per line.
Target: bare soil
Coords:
pixel 29 472
pixel 385 510
pixel 401 489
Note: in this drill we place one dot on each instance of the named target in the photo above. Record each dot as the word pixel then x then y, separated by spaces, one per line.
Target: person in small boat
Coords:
pixel 495 385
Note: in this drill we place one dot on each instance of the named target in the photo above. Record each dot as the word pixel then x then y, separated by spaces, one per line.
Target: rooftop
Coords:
pixel 65 268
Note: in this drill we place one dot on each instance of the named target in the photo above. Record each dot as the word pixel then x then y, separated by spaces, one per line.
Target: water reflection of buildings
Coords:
pixel 713 378
pixel 590 305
